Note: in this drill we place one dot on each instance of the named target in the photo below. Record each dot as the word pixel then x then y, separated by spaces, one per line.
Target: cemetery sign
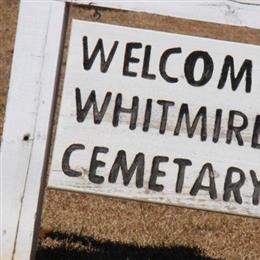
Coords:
pixel 160 117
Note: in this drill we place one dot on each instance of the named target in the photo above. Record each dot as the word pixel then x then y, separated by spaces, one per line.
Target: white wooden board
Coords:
pixel 232 12
pixel 26 135
pixel 226 159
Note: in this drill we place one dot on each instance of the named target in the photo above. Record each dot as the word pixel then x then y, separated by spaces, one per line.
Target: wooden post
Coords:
pixel 26 135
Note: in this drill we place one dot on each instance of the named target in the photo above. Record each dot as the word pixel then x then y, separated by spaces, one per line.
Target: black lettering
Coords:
pixel 182 163
pixel 190 65
pixel 163 62
pixel 91 101
pixel 217 126
pixel 165 105
pixel 235 80
pixel 66 160
pixel 104 63
pixel 121 163
pixel 94 164
pixel 202 114
pixel 234 187
pixel 147 115
pixel 155 172
pixel 119 109
pixel 129 59
pixel 236 129
pixel 256 183
pixel 256 133
pixel 145 71
pixel 198 183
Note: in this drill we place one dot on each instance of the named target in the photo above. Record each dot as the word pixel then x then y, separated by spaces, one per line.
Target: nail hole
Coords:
pixel 26 137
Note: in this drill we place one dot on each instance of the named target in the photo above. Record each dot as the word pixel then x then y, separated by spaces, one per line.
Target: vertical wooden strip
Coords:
pixel 28 122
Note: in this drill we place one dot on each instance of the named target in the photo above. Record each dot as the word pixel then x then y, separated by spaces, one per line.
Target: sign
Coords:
pixel 160 117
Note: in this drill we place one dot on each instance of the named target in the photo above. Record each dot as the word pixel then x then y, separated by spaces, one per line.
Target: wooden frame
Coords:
pixel 29 112
pixel 232 12
pixel 27 124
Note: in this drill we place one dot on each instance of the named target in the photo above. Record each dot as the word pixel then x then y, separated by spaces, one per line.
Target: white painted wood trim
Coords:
pixel 232 12
pixel 28 114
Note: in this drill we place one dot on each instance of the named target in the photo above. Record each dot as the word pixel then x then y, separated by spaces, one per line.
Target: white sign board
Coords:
pixel 240 13
pixel 160 117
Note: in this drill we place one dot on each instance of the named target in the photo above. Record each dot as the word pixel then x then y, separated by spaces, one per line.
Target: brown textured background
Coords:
pixel 70 221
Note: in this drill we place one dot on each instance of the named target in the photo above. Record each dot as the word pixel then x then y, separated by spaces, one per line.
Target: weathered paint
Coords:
pixel 232 12
pixel 138 81
pixel 35 66
pixel 25 141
